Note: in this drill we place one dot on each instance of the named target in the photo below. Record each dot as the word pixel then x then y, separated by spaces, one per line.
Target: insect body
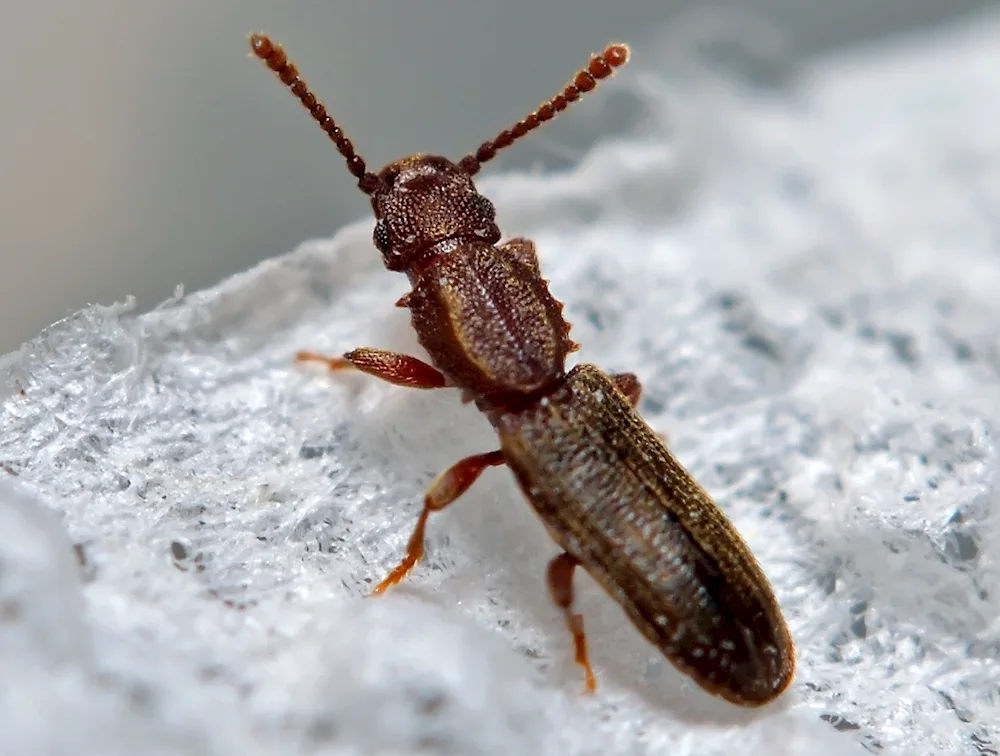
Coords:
pixel 606 487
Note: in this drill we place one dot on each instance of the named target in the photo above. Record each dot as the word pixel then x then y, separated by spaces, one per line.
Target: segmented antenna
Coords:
pixel 274 56
pixel 600 67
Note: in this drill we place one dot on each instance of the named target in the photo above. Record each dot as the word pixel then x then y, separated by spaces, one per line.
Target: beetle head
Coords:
pixel 422 201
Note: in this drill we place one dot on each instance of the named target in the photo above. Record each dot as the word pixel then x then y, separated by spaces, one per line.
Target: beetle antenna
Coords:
pixel 600 67
pixel 274 56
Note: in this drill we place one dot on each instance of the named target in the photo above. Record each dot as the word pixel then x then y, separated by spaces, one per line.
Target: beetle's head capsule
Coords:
pixel 422 201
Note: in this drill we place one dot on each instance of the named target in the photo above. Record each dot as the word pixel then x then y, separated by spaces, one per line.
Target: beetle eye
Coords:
pixel 486 207
pixel 381 237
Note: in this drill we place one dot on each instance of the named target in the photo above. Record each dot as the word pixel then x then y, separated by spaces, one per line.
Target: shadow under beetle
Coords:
pixel 605 485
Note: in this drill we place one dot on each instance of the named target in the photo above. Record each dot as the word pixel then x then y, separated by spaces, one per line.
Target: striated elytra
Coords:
pixel 613 496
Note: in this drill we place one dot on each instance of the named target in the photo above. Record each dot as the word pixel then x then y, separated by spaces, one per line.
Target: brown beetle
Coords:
pixel 608 490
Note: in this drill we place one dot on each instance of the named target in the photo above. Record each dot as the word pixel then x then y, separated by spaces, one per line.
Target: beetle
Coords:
pixel 608 490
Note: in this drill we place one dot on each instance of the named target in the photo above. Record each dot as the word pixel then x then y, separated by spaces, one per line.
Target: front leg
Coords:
pixel 398 369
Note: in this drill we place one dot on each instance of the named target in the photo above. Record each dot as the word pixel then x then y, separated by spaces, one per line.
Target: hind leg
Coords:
pixel 560 580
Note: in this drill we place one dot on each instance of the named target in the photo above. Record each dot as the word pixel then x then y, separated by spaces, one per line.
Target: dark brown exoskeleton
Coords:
pixel 606 487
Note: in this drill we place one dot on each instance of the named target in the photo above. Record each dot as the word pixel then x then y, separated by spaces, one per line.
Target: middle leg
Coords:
pixel 628 384
pixel 447 487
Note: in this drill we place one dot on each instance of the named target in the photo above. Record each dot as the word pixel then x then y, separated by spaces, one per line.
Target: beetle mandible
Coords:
pixel 606 487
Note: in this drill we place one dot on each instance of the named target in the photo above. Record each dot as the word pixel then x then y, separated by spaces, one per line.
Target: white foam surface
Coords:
pixel 805 281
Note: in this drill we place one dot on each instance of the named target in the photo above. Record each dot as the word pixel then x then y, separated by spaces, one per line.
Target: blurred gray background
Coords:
pixel 141 148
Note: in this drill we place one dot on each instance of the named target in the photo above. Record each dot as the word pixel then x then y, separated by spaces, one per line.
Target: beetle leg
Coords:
pixel 447 487
pixel 399 369
pixel 523 250
pixel 560 579
pixel 628 384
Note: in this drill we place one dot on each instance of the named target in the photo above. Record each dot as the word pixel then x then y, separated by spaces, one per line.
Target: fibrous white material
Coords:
pixel 807 286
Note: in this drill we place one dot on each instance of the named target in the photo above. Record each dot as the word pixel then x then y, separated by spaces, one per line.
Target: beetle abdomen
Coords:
pixel 614 497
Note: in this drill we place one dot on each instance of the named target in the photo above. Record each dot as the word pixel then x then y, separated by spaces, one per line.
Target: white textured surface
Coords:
pixel 807 285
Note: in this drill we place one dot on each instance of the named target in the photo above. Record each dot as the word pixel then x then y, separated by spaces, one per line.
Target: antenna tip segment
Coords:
pixel 272 54
pixel 261 46
pixel 616 54
pixel 602 66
